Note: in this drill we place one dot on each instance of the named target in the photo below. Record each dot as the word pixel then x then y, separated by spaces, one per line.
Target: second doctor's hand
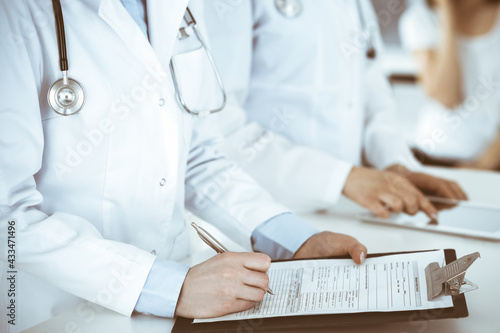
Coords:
pixel 214 243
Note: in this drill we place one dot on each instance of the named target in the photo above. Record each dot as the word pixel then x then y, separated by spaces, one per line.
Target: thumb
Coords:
pixel 357 251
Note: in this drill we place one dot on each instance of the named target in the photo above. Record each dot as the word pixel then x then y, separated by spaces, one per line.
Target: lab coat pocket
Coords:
pixel 197 85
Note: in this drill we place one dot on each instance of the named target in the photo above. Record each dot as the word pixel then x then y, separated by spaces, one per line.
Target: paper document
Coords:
pixel 326 286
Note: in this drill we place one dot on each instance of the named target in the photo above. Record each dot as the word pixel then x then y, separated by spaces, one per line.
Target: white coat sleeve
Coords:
pixel 384 142
pixel 220 192
pixel 62 248
pixel 300 177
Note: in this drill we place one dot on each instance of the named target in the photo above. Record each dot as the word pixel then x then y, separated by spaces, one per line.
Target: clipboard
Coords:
pixel 316 322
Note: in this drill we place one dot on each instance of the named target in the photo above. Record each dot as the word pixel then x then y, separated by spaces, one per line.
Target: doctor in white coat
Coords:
pixel 91 205
pixel 306 103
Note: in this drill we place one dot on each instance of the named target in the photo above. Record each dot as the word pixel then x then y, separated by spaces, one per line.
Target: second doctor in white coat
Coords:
pixel 93 203
pixel 306 103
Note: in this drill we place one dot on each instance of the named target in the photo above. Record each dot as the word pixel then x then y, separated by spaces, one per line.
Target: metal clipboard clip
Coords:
pixel 449 278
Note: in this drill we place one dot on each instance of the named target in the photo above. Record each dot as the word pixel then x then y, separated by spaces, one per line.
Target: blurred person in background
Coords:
pixel 456 44
pixel 306 100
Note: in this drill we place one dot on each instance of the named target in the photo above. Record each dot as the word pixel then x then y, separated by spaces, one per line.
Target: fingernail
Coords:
pixel 362 257
pixel 434 216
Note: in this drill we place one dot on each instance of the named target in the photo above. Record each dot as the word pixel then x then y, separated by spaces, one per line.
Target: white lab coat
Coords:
pixel 93 195
pixel 304 101
pixel 301 177
pixel 315 68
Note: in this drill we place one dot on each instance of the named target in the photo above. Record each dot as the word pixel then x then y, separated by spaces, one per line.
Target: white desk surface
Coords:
pixel 484 315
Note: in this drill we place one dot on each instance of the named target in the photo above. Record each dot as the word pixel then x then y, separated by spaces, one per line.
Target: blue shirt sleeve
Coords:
pixel 281 236
pixel 162 288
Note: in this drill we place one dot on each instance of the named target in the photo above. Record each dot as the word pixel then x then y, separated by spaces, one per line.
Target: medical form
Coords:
pixel 328 286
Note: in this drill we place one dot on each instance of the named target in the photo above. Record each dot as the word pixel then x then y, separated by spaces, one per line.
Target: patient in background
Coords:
pixel 456 44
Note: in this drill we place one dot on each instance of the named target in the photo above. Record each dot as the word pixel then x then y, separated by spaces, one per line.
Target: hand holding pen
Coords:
pixel 214 243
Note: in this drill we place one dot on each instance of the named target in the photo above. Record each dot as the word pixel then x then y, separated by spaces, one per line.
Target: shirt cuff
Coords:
pixel 281 236
pixel 162 288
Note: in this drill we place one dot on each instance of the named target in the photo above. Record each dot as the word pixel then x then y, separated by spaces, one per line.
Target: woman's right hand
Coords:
pixel 228 282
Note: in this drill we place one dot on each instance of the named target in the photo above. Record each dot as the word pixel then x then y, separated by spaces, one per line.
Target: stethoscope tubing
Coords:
pixel 201 113
pixel 61 35
pixel 371 53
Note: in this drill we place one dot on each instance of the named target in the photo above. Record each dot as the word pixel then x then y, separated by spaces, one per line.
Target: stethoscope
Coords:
pixel 293 8
pixel 67 96
pixel 183 34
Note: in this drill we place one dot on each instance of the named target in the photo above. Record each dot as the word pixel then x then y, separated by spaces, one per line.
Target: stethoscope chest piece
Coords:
pixel 289 8
pixel 66 99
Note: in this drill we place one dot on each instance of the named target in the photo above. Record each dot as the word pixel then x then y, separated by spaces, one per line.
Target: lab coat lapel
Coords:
pixel 164 20
pixel 93 4
pixel 117 17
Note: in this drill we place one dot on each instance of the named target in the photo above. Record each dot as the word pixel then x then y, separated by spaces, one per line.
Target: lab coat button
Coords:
pixel 163 181
pixel 153 252
pixel 161 102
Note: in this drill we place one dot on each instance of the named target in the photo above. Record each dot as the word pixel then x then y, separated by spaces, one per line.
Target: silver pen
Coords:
pixel 214 243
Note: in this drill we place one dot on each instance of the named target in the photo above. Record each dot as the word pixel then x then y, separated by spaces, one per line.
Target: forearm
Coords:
pixel 490 158
pixel 440 68
pixel 220 192
pixel 285 169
